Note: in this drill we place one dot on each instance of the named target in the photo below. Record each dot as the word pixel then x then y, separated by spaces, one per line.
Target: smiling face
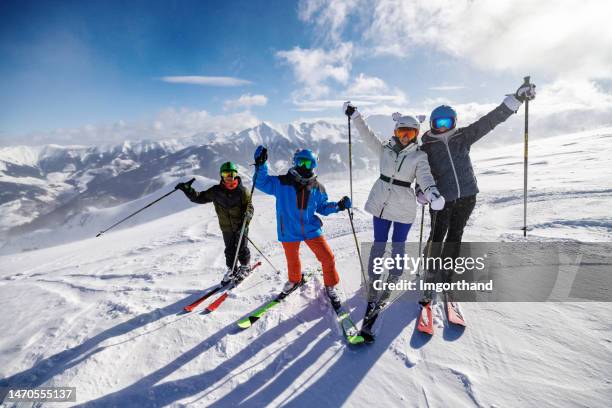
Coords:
pixel 406 135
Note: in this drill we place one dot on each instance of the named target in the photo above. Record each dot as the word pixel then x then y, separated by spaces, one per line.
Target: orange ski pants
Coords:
pixel 323 253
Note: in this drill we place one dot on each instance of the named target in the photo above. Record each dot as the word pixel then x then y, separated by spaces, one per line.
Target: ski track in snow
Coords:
pixel 105 314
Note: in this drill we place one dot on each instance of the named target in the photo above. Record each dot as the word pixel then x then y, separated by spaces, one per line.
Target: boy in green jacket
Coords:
pixel 232 204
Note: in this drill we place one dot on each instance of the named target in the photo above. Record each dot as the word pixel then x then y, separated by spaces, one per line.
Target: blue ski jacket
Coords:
pixel 296 204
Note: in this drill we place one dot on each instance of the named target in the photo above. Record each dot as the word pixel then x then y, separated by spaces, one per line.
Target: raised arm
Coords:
pixel 510 105
pixel 487 123
pixel 367 134
pixel 264 182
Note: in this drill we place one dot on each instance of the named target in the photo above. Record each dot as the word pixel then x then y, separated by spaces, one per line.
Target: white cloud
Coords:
pixel 314 67
pixel 168 123
pixel 246 101
pixel 367 90
pixel 206 80
pixel 367 85
pixel 330 17
pixel 364 91
pixel 565 45
pixel 548 37
pixel 366 103
pixel 573 95
pixel 185 122
pixel 447 88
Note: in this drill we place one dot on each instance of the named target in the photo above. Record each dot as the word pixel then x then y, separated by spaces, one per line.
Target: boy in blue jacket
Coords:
pixel 298 196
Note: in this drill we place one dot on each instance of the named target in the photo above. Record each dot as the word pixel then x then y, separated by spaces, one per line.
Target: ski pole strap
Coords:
pixel 396 182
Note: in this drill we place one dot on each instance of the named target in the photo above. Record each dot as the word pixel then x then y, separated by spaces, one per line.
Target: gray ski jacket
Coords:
pixel 449 154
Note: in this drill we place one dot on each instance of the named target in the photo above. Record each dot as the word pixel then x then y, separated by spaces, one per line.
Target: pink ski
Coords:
pixel 454 312
pixel 425 324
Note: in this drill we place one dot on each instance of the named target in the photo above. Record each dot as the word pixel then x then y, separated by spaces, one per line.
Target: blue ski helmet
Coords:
pixel 305 158
pixel 443 116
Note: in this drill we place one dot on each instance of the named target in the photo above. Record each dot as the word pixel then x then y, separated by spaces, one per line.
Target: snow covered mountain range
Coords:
pixel 43 187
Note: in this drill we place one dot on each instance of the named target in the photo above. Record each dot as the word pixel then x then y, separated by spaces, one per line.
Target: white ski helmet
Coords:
pixel 406 121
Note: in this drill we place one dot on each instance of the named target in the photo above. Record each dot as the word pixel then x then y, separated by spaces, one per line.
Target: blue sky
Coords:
pixel 75 71
pixel 103 60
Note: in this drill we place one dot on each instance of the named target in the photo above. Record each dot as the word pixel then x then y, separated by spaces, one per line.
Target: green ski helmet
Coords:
pixel 228 167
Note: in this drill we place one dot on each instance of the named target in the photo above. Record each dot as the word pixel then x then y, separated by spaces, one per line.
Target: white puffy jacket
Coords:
pixel 387 200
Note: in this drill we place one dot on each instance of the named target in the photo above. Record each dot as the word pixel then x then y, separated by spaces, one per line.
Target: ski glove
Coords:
pixel 420 196
pixel 261 155
pixel 350 110
pixel 344 203
pixel 184 187
pixel 437 204
pixel 248 215
pixel 525 92
pixel 436 201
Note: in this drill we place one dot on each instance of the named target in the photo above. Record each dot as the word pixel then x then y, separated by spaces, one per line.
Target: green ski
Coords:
pixel 253 317
pixel 348 327
pixel 248 321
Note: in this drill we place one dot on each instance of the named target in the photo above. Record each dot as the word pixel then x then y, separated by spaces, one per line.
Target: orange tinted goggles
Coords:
pixel 406 132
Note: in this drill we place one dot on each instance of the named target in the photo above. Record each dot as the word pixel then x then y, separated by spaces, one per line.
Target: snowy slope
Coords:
pixel 103 314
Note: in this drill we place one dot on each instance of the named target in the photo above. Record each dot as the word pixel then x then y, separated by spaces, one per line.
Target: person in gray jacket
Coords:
pixel 448 150
pixel 392 200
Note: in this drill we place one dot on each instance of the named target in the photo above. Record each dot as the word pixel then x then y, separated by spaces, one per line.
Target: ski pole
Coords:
pixel 262 254
pixel 433 230
pixel 143 208
pixel 350 146
pixel 244 222
pixel 421 237
pixel 430 244
pixel 350 210
pixel 526 150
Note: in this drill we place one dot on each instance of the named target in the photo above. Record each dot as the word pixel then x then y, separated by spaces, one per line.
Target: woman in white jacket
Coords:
pixel 392 200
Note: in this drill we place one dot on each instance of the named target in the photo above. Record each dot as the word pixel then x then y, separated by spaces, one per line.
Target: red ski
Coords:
pixel 214 305
pixel 208 294
pixel 211 292
pixel 453 311
pixel 425 324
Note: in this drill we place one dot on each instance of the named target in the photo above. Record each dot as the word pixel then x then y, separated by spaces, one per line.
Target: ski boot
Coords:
pixel 368 336
pixel 289 287
pixel 334 297
pixel 242 272
pixel 371 314
pixel 228 277
pixel 369 310
pixel 426 298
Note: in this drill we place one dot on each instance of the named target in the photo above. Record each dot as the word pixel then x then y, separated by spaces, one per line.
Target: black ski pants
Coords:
pixel 448 229
pixel 231 242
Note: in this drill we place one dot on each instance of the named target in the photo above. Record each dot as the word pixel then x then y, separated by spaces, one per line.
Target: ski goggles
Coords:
pixel 410 133
pixel 229 173
pixel 304 162
pixel 443 123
